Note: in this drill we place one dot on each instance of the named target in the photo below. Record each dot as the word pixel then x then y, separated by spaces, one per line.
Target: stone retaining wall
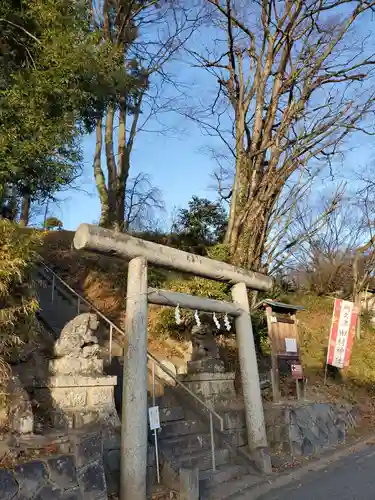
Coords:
pixel 304 429
pixel 74 472
pixel 74 465
pixel 111 454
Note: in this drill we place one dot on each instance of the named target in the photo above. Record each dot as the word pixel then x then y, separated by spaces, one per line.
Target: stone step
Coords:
pixel 234 419
pixel 190 442
pixel 60 304
pixel 236 437
pixel 54 326
pixel 64 302
pixel 171 414
pixel 225 473
pixel 181 428
pixel 57 313
pixel 229 490
pixel 112 458
pixel 203 459
pixel 168 399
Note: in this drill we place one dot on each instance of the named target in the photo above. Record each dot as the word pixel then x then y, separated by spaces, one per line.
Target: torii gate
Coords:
pixel 140 252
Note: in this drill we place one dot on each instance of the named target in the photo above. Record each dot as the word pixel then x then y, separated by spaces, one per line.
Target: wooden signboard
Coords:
pixel 285 350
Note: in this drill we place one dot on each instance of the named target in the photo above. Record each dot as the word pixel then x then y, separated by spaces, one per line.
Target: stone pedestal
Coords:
pixel 209 381
pixel 68 365
pixel 208 365
pixel 73 401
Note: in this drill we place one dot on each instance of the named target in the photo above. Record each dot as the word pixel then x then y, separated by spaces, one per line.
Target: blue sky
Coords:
pixel 174 164
pixel 175 161
pixel 178 167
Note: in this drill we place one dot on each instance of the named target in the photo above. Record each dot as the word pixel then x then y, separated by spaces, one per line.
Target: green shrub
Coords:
pixel 18 304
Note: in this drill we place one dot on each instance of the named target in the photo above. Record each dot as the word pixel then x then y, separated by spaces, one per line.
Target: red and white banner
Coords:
pixel 341 338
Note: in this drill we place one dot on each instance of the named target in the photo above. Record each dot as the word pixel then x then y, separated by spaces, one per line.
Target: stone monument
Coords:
pixel 77 391
pixel 206 374
pixel 77 349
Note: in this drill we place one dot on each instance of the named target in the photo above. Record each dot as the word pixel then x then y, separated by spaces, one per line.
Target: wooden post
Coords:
pixel 256 429
pixel 298 391
pixel 275 376
pixel 299 385
pixel 134 400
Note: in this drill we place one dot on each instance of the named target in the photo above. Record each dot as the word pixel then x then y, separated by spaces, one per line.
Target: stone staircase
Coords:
pixel 184 438
pixel 56 313
pixel 185 442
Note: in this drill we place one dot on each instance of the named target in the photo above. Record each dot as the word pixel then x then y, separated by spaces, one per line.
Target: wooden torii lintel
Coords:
pixel 105 241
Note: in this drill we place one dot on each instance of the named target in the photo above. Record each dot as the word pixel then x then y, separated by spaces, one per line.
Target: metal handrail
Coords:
pixel 149 355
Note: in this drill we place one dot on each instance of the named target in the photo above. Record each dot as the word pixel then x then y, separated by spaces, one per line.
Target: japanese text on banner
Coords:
pixel 342 333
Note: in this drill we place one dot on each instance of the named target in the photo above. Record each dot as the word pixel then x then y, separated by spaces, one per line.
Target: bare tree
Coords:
pixel 295 225
pixel 222 174
pixel 147 35
pixel 364 257
pixel 144 203
pixel 294 80
pixel 322 262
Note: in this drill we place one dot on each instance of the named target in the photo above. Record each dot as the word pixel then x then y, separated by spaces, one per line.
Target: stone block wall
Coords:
pixel 213 388
pixel 74 472
pixel 304 429
pixel 72 402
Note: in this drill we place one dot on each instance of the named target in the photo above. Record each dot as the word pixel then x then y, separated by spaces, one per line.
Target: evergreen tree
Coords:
pixel 55 80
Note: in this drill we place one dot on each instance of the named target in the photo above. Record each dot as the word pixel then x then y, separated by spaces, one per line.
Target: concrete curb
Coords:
pixel 319 463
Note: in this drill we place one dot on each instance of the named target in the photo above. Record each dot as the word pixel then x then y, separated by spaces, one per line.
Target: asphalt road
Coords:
pixel 350 478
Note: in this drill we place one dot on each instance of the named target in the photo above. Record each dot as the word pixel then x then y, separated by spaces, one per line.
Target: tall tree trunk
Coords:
pixel 112 189
pixel 111 165
pixel 25 210
pixel 240 166
pixel 251 210
pixel 125 144
pixel 249 234
pixel 121 192
pixel 13 202
pixel 123 166
pixel 99 176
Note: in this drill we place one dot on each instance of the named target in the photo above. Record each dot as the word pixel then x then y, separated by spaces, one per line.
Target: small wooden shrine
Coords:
pixel 285 349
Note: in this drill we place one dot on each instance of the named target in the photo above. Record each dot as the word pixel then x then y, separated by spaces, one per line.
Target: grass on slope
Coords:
pixel 102 280
pixel 356 383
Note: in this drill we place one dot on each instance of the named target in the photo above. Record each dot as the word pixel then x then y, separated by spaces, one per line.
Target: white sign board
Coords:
pixel 153 416
pixel 291 345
